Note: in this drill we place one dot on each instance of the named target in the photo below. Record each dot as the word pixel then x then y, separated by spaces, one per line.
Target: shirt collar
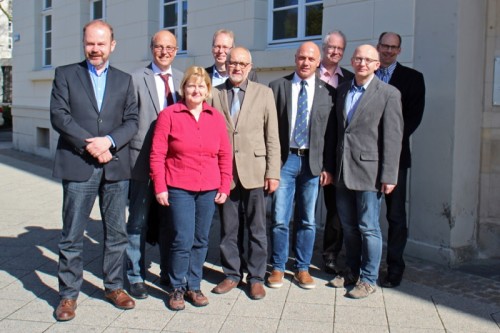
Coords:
pixel 310 80
pixel 364 86
pixel 93 70
pixel 157 70
pixel 390 69
pixel 242 86
pixel 218 75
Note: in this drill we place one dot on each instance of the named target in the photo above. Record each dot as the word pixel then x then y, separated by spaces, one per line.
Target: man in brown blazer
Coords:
pixel 252 125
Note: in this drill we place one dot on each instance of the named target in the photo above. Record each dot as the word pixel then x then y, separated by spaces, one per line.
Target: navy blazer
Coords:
pixel 319 131
pixel 412 87
pixel 75 116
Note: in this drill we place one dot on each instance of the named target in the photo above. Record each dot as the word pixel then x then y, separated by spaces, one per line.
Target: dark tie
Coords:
pixel 301 135
pixel 168 93
pixel 235 105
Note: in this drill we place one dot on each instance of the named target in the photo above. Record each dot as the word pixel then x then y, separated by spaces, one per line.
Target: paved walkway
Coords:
pixel 432 298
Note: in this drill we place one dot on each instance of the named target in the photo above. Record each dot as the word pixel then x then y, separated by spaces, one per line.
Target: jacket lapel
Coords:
pixel 365 99
pixel 84 77
pixel 149 81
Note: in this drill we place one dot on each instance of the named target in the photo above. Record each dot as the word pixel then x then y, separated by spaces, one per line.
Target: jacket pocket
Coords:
pixel 259 152
pixel 369 156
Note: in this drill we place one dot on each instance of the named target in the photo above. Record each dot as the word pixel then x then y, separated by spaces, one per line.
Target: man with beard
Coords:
pixel 94 110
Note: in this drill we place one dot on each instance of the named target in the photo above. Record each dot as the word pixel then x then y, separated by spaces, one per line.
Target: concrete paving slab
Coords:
pixel 187 322
pixel 257 308
pixel 65 327
pixel 37 310
pixel 8 325
pixel 312 312
pixel 301 326
pixel 148 320
pixel 8 307
pixel 358 328
pixel 249 325
pixel 360 315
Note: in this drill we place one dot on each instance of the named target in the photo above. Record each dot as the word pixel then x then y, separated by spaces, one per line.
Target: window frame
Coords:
pixel 301 7
pixel 46 13
pixel 180 26
pixel 103 9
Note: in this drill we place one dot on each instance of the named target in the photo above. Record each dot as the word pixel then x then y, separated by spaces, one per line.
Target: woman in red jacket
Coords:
pixel 191 168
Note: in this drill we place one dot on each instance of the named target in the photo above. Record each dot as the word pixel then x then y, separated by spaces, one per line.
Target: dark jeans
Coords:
pixel 78 200
pixel 189 219
pixel 398 231
pixel 333 235
pixel 244 207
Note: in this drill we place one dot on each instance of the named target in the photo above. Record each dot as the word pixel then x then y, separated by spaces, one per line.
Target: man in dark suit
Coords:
pixel 304 104
pixel 334 44
pixel 412 87
pixel 93 109
pixel 222 42
pixel 252 126
pixel 155 88
pixel 370 130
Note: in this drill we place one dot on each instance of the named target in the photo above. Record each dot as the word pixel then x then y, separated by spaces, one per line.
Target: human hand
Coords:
pixel 387 188
pixel 162 198
pixel 325 178
pixel 220 198
pixel 97 146
pixel 271 185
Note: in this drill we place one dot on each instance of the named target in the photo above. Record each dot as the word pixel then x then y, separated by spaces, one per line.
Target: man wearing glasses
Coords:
pixel 369 134
pixel 222 43
pixel 330 72
pixel 155 88
pixel 412 87
pixel 252 126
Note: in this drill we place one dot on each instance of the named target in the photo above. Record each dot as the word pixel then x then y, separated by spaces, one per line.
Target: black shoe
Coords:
pixel 391 281
pixel 165 281
pixel 138 290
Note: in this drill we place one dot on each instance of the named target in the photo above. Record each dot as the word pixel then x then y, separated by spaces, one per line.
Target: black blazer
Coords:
pixel 412 87
pixel 75 116
pixel 324 96
pixel 252 76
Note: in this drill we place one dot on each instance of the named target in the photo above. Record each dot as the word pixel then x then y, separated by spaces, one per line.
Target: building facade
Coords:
pixel 454 189
pixel 6 43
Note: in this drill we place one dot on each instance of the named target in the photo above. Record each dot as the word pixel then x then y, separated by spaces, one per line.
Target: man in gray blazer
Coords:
pixel 252 126
pixel 370 132
pixel 304 104
pixel 152 85
pixel 92 107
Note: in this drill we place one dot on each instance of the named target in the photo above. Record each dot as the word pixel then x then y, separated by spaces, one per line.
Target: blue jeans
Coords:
pixel 296 180
pixel 78 200
pixel 359 214
pixel 190 217
pixel 141 195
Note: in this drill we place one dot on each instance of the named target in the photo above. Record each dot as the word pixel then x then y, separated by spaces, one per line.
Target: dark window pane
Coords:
pixel 314 20
pixel 309 1
pixel 48 57
pixel 98 10
pixel 48 3
pixel 184 39
pixel 184 12
pixel 283 3
pixel 170 15
pixel 48 23
pixel 285 24
pixel 48 40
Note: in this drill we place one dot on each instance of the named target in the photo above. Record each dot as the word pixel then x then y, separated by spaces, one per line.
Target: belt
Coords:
pixel 299 152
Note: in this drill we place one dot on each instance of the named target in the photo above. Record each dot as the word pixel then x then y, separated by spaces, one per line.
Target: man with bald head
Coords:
pixel 369 134
pixel 155 88
pixel 252 126
pixel 304 104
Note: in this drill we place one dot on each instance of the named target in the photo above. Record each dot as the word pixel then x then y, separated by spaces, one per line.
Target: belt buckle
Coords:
pixel 301 152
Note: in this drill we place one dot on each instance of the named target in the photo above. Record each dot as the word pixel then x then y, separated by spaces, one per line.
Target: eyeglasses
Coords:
pixel 386 47
pixel 233 64
pixel 160 48
pixel 334 48
pixel 221 47
pixel 359 60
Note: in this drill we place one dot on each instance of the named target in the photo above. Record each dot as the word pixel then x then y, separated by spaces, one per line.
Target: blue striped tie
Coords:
pixel 301 135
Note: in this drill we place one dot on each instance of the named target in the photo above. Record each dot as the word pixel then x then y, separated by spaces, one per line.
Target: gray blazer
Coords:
pixel 368 148
pixel 254 139
pixel 149 108
pixel 321 109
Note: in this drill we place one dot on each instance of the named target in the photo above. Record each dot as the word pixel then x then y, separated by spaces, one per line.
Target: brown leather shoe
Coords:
pixel 120 299
pixel 275 280
pixel 257 291
pixel 225 286
pixel 304 279
pixel 196 298
pixel 176 300
pixel 66 309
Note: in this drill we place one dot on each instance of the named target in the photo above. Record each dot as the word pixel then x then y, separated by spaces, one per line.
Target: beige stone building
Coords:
pixel 454 192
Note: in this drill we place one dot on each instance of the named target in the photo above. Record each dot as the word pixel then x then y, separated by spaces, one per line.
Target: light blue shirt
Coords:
pixel 217 78
pixel 99 85
pixel 353 97
pixel 390 70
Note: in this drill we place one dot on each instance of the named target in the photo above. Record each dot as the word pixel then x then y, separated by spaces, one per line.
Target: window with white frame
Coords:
pixel 295 20
pixel 47 33
pixel 174 18
pixel 97 9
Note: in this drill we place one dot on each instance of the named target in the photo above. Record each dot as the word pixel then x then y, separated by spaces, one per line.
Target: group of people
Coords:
pixel 176 146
